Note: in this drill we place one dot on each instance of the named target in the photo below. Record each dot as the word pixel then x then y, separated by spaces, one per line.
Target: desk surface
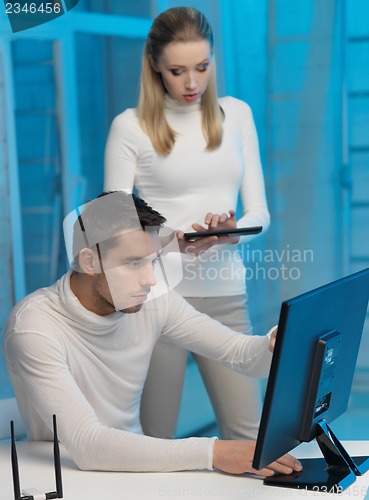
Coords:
pixel 36 471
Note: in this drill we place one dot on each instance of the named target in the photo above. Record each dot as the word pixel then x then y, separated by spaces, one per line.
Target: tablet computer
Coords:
pixel 239 231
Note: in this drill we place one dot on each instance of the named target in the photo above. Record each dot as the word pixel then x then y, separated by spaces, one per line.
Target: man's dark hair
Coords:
pixel 110 214
pixel 147 216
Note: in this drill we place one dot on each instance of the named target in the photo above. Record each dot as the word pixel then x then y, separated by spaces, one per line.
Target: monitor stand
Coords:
pixel 331 474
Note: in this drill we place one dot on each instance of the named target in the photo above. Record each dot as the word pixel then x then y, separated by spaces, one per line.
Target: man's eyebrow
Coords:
pixel 134 258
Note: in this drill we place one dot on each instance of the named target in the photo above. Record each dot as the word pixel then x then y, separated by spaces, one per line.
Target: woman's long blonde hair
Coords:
pixel 179 24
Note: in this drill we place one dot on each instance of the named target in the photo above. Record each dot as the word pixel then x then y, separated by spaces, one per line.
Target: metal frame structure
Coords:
pixel 62 31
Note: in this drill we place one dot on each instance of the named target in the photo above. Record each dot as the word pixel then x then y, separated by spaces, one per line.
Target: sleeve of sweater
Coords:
pixel 203 335
pixel 39 364
pixel 252 191
pixel 121 152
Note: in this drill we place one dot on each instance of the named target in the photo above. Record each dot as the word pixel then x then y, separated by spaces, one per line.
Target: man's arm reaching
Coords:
pixel 198 333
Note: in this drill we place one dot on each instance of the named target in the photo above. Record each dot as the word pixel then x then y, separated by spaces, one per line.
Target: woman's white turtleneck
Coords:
pixel 191 181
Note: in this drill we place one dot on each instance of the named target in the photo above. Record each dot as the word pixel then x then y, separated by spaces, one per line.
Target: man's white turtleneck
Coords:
pixel 89 370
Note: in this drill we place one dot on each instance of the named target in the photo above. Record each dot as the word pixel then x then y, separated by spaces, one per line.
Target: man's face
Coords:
pixel 128 272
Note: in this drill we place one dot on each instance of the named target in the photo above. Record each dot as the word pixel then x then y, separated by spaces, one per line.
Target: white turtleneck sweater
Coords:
pixel 190 182
pixel 89 370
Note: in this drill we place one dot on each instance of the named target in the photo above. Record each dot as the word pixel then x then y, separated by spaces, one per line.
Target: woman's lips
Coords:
pixel 190 97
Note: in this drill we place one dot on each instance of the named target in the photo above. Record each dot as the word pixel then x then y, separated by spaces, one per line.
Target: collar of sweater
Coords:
pixel 88 320
pixel 174 106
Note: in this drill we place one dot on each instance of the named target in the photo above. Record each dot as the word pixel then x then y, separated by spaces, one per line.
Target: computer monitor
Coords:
pixel 310 381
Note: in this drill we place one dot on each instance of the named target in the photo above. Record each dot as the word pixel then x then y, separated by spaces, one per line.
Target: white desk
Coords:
pixel 36 471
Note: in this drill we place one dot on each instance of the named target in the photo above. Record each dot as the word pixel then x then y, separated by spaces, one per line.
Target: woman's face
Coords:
pixel 185 69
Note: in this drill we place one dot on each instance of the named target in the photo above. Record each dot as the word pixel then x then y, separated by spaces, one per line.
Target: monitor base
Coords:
pixel 331 474
pixel 315 476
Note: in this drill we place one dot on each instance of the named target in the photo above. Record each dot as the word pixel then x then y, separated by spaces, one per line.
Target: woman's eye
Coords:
pixel 202 68
pixel 176 72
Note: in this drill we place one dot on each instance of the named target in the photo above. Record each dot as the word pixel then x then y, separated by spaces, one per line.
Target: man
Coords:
pixel 81 349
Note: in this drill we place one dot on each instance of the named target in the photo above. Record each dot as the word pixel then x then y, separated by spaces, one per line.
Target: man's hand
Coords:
pixel 273 339
pixel 235 457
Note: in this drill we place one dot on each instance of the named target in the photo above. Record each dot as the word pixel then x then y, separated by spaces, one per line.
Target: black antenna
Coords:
pixel 15 469
pixel 57 466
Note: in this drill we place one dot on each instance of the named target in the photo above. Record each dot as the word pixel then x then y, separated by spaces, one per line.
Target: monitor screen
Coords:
pixel 311 374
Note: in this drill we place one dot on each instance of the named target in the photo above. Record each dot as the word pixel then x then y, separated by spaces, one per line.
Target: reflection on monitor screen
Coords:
pixel 310 381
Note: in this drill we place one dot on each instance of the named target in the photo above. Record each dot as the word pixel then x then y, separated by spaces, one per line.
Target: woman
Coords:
pixel 191 154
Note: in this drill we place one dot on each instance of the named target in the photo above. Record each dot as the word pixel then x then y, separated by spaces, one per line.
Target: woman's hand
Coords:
pixel 212 221
pixel 195 247
pixel 221 222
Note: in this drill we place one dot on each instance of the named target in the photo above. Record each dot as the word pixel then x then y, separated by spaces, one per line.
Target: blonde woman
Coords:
pixel 192 154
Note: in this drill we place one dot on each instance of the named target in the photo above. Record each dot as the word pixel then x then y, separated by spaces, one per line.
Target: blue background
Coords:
pixel 304 69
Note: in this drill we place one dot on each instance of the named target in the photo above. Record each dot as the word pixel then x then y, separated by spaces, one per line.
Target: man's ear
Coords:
pixel 88 262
